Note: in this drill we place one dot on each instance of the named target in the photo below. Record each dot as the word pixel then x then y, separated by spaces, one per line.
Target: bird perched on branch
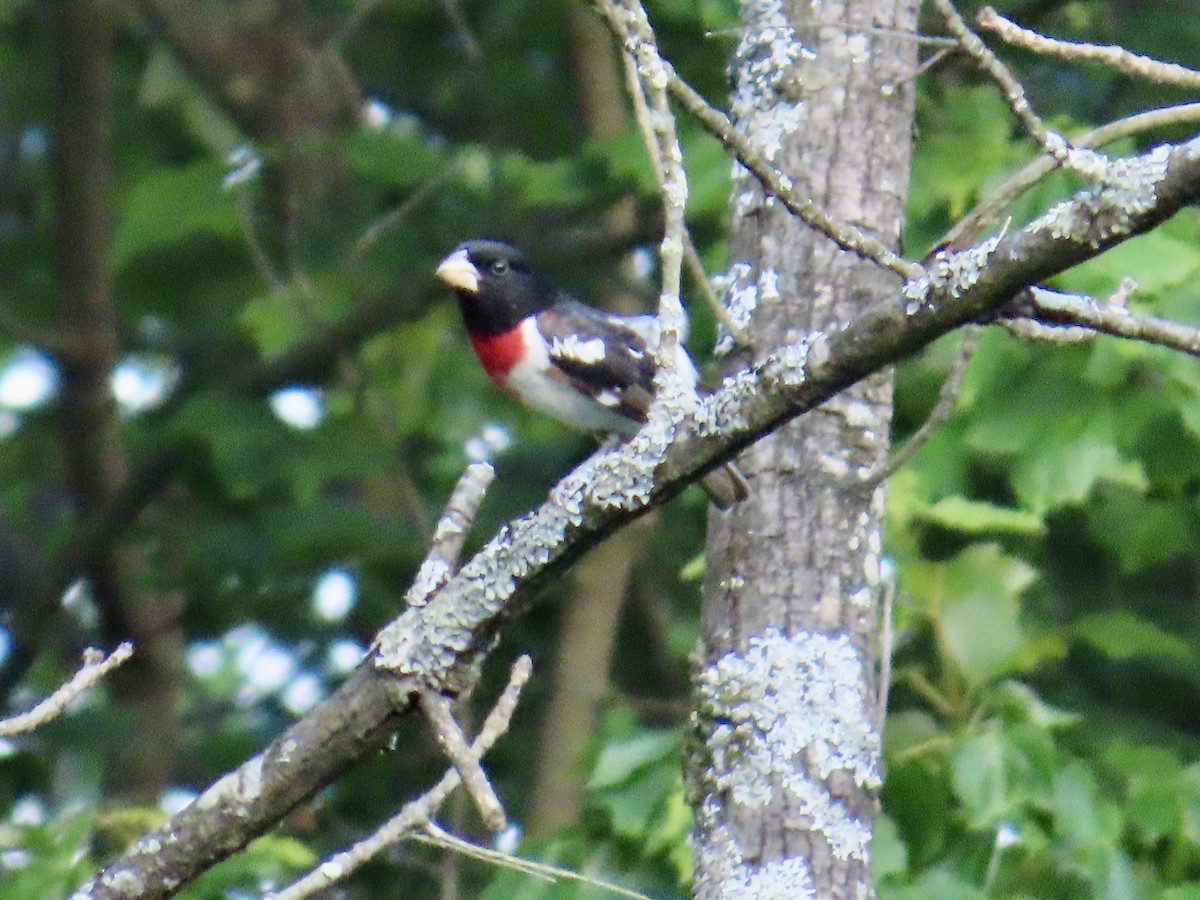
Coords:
pixel 590 369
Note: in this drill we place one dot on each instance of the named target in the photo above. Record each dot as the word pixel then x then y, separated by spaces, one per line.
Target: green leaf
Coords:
pixel 978 596
pixel 623 758
pixel 1064 474
pixel 940 883
pixel 1018 697
pixel 272 320
pixel 889 856
pixel 1140 531
pixel 981 779
pixel 977 517
pixel 693 569
pixel 394 160
pixel 164 207
pixel 1159 790
pixel 166 84
pixel 1157 260
pixel 1075 814
pixel 1122 635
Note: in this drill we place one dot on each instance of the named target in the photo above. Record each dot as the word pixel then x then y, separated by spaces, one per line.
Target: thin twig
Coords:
pixel 391 219
pixel 95 666
pixel 441 561
pixel 934 58
pixel 454 744
pixel 887 636
pixel 641 112
pixel 462 29
pixel 416 812
pixel 691 257
pixel 258 254
pixel 948 396
pixel 780 186
pixel 1033 330
pixel 1057 308
pixel 1087 163
pixel 1117 57
pixel 773 181
pixel 971 226
pixel 440 838
pixel 640 44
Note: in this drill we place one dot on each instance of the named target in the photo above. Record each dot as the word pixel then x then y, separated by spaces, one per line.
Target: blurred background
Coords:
pixel 233 401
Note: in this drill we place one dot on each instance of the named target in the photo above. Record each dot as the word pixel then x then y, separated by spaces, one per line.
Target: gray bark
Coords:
pixel 785 769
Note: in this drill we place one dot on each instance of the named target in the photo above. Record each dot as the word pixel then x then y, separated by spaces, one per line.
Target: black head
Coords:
pixel 496 286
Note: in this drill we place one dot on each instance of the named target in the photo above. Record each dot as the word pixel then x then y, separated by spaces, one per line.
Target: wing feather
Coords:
pixel 601 357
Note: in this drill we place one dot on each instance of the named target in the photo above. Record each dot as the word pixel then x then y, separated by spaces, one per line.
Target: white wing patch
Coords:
pixel 531 381
pixel 571 347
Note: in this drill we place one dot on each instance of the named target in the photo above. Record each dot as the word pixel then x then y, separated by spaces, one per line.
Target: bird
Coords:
pixel 592 370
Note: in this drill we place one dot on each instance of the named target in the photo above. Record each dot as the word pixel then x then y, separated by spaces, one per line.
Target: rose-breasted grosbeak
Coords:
pixel 592 370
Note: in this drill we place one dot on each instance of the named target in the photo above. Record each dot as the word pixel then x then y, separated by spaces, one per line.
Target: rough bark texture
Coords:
pixel 787 769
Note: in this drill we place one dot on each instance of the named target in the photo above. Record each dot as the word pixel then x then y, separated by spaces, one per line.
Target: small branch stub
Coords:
pixel 416 814
pixel 95 666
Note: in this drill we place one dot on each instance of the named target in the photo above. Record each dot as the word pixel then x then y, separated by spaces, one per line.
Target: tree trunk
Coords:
pixel 93 449
pixel 786 766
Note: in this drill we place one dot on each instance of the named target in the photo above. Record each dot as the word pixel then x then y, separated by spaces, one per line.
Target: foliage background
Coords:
pixel 1044 729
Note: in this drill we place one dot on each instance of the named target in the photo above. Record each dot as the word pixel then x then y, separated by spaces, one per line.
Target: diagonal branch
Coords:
pixel 972 225
pixel 773 181
pixel 419 811
pixel 437 645
pixel 95 666
pixel 1119 58
pixel 1058 308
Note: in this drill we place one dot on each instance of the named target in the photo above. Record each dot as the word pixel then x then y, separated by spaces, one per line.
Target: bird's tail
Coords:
pixel 725 486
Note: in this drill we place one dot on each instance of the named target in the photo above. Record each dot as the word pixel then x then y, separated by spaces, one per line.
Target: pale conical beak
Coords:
pixel 459 272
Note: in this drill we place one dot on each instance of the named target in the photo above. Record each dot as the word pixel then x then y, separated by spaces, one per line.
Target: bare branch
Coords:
pixel 439 645
pixel 1117 57
pixel 95 666
pixel 438 711
pixel 641 112
pixel 773 181
pixel 461 29
pixel 411 204
pixel 1033 330
pixel 419 811
pixel 1058 308
pixel 442 559
pixel 441 838
pixel 632 28
pixel 244 202
pixel 1088 163
pixel 970 226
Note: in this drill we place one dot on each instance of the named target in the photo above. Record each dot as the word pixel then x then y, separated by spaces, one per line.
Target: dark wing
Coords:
pixel 602 357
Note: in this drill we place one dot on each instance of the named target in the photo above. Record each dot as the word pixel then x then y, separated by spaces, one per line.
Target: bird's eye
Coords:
pixel 499 267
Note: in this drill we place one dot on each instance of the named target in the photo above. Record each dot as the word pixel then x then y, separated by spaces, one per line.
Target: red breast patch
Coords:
pixel 500 352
